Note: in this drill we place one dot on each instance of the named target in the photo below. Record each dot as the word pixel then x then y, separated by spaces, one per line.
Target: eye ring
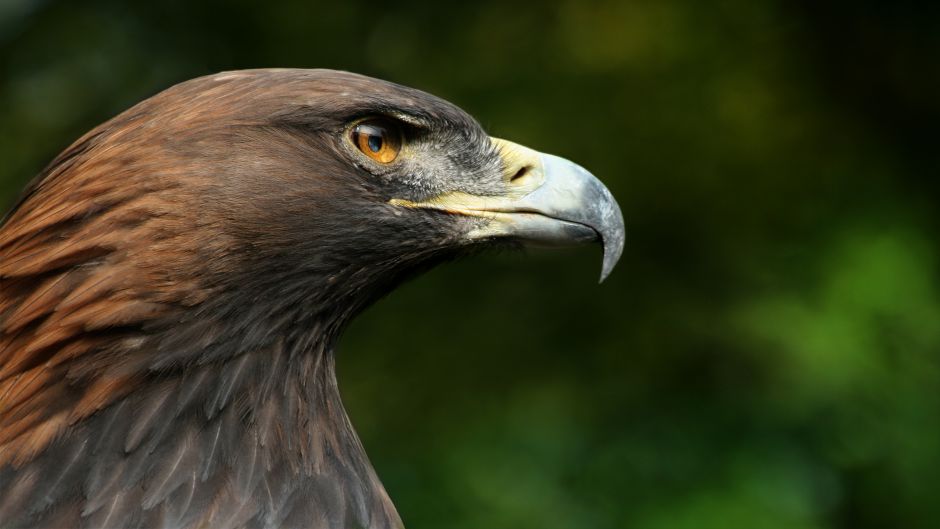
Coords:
pixel 379 139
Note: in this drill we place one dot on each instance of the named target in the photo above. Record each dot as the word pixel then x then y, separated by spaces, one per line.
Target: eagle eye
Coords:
pixel 379 139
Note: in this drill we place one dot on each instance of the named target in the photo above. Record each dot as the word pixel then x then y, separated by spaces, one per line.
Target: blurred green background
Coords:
pixel 767 353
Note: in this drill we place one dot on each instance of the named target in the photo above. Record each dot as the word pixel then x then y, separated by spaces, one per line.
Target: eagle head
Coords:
pixel 173 284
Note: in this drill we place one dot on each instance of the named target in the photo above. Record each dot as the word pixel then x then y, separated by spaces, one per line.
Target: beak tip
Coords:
pixel 606 269
pixel 612 234
pixel 612 251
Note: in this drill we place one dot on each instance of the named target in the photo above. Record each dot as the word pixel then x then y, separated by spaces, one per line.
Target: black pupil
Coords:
pixel 375 142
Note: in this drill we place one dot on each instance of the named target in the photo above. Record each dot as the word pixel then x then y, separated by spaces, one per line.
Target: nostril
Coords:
pixel 524 170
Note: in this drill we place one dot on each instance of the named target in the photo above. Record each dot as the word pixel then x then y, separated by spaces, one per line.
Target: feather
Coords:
pixel 264 422
pixel 194 384
pixel 228 382
pixel 120 510
pixel 177 506
pixel 65 474
pixel 144 418
pixel 327 511
pixel 247 473
pixel 211 453
pixel 15 492
pixel 173 471
pixel 106 480
pixel 203 500
pixel 110 429
pixel 234 513
pixel 276 493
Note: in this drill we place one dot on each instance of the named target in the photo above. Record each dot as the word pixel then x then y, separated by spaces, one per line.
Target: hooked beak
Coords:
pixel 549 201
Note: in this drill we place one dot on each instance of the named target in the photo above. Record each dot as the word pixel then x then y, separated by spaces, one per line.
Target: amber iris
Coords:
pixel 378 139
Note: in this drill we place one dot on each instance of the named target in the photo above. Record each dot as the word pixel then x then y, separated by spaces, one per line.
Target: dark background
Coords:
pixel 766 353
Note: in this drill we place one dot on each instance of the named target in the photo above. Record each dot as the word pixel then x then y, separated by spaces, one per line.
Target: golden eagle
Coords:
pixel 172 286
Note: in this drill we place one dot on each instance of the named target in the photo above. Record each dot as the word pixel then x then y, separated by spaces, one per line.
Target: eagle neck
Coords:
pixel 282 405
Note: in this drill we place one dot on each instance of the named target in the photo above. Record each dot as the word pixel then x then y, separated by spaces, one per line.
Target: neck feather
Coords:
pixel 259 439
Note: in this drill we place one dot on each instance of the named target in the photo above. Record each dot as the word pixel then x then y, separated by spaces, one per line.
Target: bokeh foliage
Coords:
pixel 767 354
